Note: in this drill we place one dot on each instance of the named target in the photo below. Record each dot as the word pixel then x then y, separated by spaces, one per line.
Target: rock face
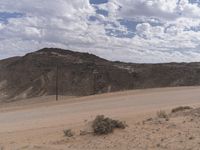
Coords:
pixel 81 74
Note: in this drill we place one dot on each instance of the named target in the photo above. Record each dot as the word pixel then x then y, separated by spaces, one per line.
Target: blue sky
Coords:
pixel 98 1
pixel 147 31
pixel 5 16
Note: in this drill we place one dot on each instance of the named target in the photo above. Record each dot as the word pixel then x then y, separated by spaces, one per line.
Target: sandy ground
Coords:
pixel 38 124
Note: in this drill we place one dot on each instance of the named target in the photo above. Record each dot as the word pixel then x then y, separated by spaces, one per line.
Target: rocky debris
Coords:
pixel 192 114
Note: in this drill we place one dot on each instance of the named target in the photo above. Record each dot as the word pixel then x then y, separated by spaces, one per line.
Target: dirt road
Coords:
pixel 29 121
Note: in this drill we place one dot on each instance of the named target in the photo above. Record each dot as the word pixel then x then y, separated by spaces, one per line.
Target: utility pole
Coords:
pixel 95 72
pixel 57 82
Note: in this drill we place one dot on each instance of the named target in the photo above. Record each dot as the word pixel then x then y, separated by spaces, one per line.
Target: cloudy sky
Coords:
pixel 148 31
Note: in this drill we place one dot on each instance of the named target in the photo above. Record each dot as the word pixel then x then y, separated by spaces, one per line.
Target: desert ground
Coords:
pixel 38 124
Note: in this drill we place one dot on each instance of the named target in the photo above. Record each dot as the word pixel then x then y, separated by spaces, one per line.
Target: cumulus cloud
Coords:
pixel 162 9
pixel 161 30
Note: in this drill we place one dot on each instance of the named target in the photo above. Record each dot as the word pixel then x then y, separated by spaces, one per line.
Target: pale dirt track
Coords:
pixel 40 125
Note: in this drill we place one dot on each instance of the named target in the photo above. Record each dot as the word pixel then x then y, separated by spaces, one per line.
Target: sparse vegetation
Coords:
pixel 181 108
pixel 162 114
pixel 104 125
pixel 68 133
pixel 83 132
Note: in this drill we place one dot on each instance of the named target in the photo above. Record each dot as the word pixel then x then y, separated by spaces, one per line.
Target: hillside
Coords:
pixel 81 74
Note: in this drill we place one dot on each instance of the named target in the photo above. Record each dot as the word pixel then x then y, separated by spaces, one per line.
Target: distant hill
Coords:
pixel 81 74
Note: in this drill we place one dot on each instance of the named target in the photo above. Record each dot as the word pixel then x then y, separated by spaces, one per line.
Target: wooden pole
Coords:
pixel 56 82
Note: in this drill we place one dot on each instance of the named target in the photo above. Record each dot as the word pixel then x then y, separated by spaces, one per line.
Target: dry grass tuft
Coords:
pixel 162 114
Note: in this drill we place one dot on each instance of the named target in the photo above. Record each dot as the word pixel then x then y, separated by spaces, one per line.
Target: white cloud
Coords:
pixel 162 9
pixel 163 33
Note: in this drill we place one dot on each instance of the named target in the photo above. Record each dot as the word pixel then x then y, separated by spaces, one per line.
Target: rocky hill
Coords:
pixel 81 74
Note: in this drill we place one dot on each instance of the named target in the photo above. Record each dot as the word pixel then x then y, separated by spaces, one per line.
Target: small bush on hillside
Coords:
pixel 103 125
pixel 181 108
pixel 68 133
pixel 162 114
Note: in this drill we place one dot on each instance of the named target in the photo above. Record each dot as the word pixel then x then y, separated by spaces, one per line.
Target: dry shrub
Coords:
pixel 181 108
pixel 68 133
pixel 162 114
pixel 104 125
